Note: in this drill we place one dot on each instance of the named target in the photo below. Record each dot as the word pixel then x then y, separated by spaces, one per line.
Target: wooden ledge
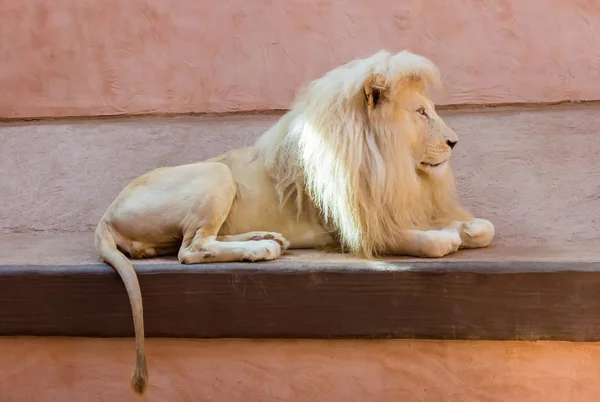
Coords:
pixel 502 293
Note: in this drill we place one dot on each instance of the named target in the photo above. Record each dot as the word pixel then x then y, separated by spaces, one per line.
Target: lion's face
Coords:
pixel 405 105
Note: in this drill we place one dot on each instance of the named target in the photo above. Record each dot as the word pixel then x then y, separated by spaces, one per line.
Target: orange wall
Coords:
pixel 65 370
pixel 74 57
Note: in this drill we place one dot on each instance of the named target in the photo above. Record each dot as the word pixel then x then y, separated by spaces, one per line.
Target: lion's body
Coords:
pixel 149 217
pixel 361 161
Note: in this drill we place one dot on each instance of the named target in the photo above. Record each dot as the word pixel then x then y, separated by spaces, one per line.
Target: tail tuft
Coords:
pixel 139 380
pixel 140 374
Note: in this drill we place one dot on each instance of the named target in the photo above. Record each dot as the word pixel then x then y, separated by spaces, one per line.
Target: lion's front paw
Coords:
pixel 477 233
pixel 440 243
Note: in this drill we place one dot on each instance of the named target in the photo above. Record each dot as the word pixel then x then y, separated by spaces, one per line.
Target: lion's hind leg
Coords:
pixel 253 246
pixel 202 245
pixel 256 236
pixel 212 250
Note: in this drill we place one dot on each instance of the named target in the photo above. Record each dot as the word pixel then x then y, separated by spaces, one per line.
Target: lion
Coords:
pixel 359 164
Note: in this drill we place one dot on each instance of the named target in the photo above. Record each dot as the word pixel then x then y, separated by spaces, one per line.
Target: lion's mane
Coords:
pixel 360 175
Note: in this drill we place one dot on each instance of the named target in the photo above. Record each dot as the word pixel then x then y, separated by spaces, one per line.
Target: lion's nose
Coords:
pixel 451 144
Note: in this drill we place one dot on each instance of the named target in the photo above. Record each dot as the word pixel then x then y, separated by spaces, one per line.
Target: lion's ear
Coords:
pixel 376 90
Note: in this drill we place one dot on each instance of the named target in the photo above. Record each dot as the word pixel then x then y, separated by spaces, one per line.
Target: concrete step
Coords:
pixel 533 172
pixel 54 284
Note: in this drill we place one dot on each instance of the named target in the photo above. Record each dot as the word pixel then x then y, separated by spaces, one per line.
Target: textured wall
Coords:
pixel 74 57
pixel 62 176
pixel 76 370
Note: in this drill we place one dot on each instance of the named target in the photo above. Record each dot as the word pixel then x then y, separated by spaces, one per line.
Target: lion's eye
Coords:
pixel 422 111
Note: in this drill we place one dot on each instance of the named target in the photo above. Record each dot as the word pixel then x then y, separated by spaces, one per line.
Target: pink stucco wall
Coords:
pixel 73 57
pixel 180 370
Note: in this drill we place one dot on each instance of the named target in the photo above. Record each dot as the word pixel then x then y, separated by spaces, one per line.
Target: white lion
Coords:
pixel 361 162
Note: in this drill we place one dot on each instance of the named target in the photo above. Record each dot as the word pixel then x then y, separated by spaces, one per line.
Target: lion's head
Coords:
pixel 401 102
pixel 365 144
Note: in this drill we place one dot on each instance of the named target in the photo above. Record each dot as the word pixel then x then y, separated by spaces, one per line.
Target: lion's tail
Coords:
pixel 107 248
